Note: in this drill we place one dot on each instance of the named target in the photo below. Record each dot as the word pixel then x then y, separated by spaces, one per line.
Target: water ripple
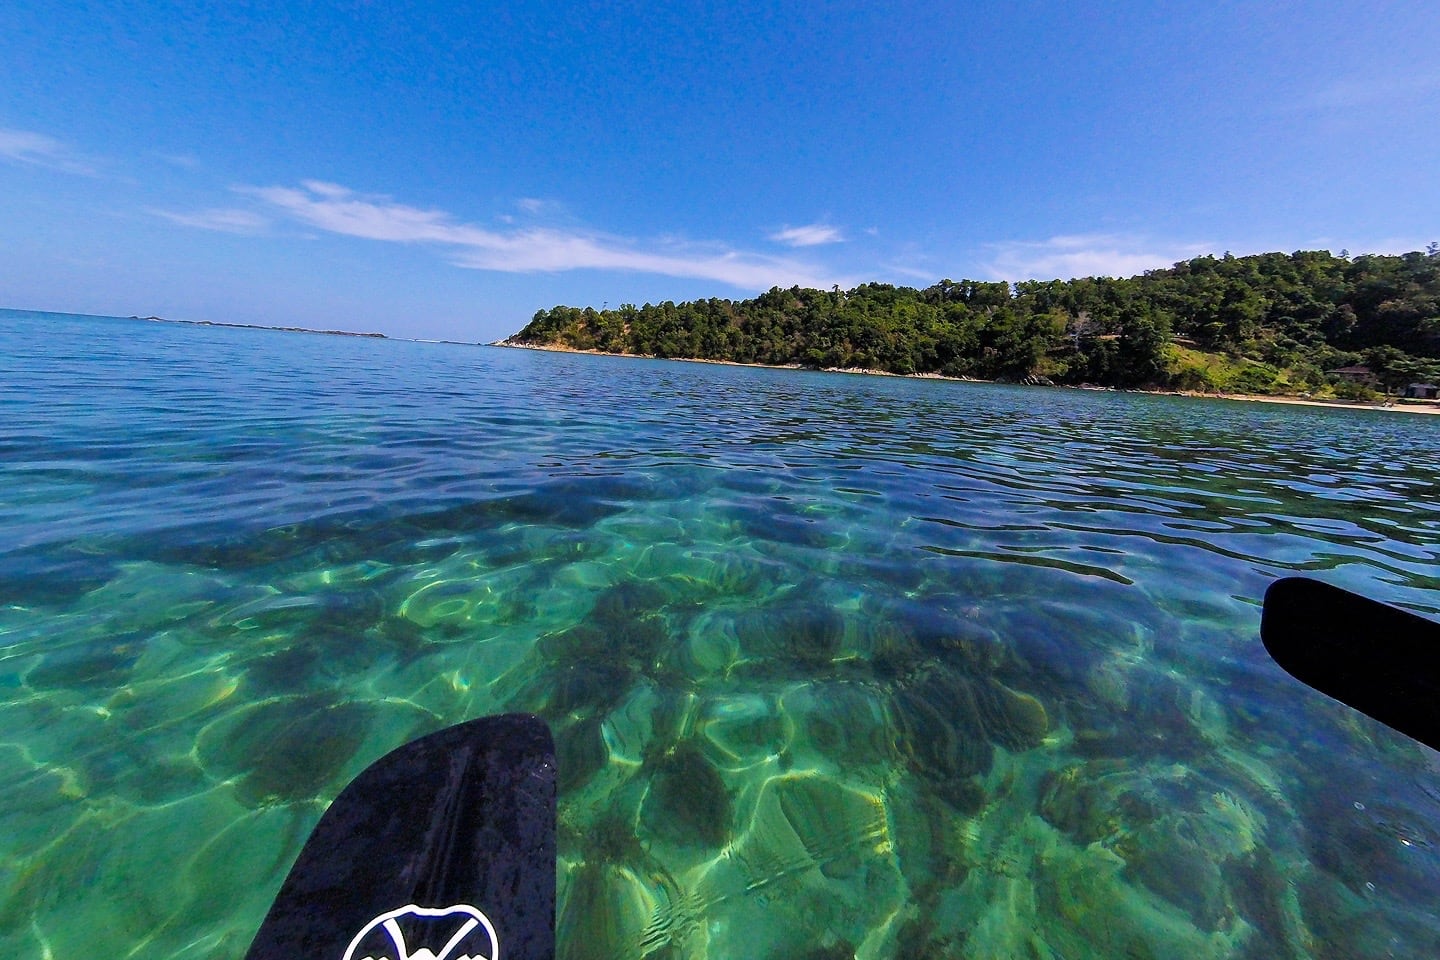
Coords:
pixel 836 665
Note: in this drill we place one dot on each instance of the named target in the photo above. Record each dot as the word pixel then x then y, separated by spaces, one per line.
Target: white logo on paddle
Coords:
pixel 464 932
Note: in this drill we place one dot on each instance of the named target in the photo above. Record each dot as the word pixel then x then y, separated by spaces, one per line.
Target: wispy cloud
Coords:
pixel 1085 255
pixel 39 150
pixel 811 235
pixel 914 273
pixel 187 161
pixel 1349 92
pixel 338 209
pixel 535 206
pixel 224 219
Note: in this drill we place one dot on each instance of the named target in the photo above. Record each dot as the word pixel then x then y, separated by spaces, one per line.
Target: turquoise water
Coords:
pixel 837 666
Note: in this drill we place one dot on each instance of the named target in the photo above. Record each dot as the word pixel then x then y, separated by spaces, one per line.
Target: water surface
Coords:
pixel 837 666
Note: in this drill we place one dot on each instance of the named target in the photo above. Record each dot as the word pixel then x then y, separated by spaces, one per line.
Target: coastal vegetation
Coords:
pixel 1272 323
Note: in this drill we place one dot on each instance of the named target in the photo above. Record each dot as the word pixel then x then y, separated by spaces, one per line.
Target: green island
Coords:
pixel 1308 324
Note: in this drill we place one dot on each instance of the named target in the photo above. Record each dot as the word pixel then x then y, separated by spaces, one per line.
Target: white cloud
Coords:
pixel 811 235
pixel 1368 90
pixel 552 250
pixel 331 190
pixel 224 219
pixel 928 276
pixel 36 149
pixel 535 206
pixel 187 161
pixel 337 209
pixel 1085 255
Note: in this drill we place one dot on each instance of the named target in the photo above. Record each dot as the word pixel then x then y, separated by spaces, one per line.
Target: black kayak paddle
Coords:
pixel 444 849
pixel 1383 661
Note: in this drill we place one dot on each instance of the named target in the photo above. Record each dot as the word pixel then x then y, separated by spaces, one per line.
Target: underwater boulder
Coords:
pixel 792 531
pixel 628 601
pixel 1164 860
pixel 580 752
pixel 603 912
pixel 843 721
pixel 289 669
pixel 563 504
pixel 285 750
pixel 1086 800
pixel 582 641
pixel 741 731
pixel 687 803
pixel 839 950
pixel 814 865
pixel 42 801
pixel 152 705
pixel 83 666
pixel 623 627
pixel 1016 721
pixel 1085 907
pixel 1146 714
pixel 585 688
pixel 709 647
pixel 938 727
pixel 792 633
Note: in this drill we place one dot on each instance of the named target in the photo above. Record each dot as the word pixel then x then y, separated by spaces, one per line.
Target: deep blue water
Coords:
pixel 873 666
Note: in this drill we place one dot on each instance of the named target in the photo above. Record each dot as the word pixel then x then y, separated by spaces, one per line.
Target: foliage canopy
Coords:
pixel 1269 323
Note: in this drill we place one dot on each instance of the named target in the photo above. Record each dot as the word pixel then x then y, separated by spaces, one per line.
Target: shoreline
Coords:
pixel 1422 407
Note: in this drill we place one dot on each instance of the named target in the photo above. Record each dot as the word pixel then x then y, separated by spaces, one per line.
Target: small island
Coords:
pixel 259 326
pixel 1309 325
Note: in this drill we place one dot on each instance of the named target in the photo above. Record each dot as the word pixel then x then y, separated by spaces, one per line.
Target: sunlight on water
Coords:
pixel 836 666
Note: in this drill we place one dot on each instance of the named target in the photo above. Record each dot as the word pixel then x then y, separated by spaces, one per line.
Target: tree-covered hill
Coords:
pixel 1270 323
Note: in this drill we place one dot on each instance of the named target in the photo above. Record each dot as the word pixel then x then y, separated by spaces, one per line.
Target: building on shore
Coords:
pixel 1423 391
pixel 1359 373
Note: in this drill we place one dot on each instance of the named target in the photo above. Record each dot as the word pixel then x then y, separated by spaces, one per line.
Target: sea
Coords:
pixel 837 665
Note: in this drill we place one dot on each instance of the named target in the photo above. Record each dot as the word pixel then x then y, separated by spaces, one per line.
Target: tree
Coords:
pixel 1140 353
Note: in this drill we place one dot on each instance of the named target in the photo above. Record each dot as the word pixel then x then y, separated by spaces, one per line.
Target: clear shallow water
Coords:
pixel 836 665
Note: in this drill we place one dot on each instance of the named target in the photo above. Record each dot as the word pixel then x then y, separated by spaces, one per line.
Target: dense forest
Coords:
pixel 1270 323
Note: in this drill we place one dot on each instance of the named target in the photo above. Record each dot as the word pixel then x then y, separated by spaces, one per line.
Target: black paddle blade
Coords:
pixel 1382 661
pixel 446 845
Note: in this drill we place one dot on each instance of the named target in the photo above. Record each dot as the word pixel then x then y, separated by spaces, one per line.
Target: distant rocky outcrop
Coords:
pixel 259 326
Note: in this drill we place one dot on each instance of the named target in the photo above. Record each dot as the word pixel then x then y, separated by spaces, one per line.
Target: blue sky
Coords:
pixel 444 170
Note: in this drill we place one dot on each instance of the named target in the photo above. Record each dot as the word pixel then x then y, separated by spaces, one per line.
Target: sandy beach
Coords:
pixel 1398 406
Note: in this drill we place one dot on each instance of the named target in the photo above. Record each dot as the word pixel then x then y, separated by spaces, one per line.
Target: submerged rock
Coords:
pixel 1016 721
pixel 1166 861
pixel 742 731
pixel 812 867
pixel 284 750
pixel 843 721
pixel 603 912
pixel 687 803
pixel 585 688
pixel 626 602
pixel 87 665
pixel 794 633
pixel 580 752
pixel 939 729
